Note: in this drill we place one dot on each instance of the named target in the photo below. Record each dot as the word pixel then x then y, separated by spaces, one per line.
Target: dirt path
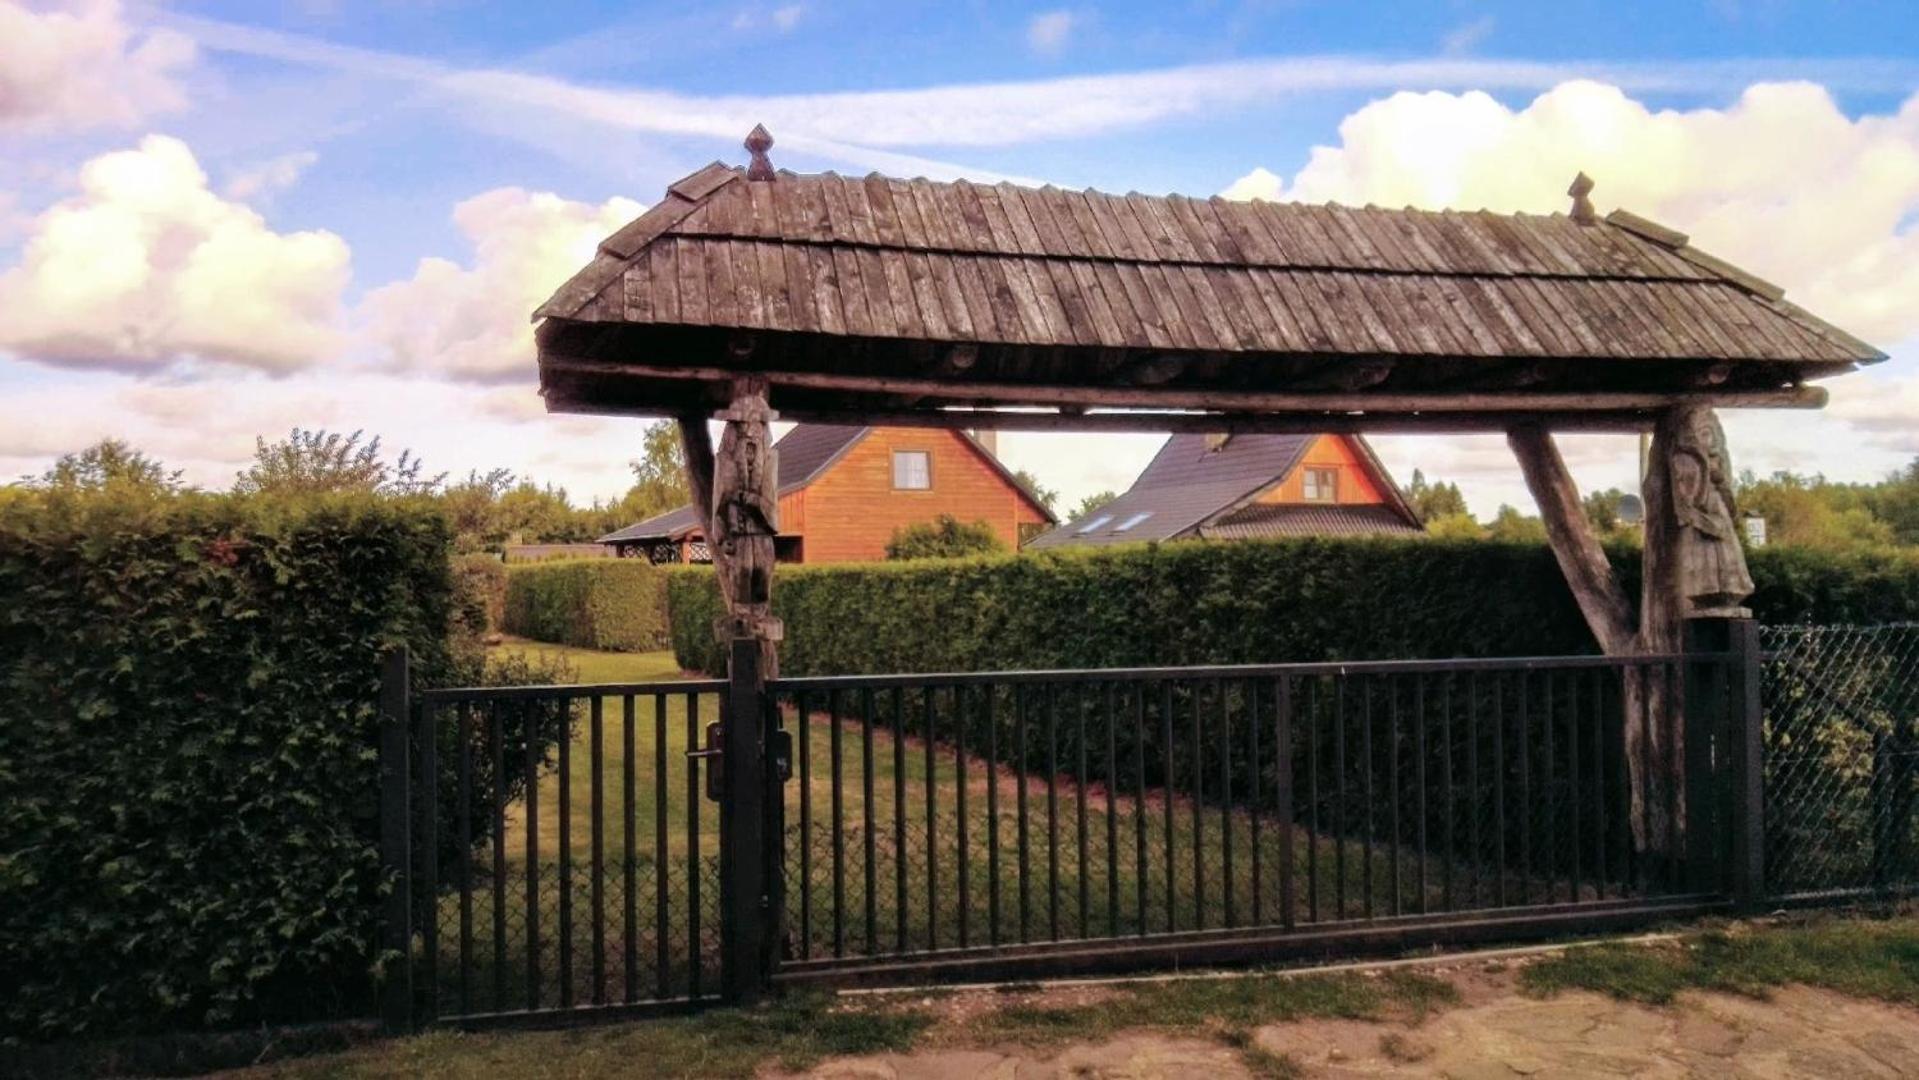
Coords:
pixel 1495 1032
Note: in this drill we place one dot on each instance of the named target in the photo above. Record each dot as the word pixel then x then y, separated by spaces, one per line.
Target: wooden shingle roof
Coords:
pixel 1002 284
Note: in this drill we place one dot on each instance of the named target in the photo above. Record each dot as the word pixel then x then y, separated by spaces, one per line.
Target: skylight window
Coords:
pixel 1134 520
pixel 1096 524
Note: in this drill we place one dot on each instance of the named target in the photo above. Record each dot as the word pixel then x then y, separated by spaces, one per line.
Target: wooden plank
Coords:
pixel 1054 327
pixel 1255 243
pixel 1375 292
pixel 1033 205
pixel 906 209
pixel 1279 316
pixel 1512 403
pixel 1588 573
pixel 883 312
pixel 1125 314
pixel 1306 312
pixel 1389 424
pixel 851 286
pixel 1079 205
pixel 638 286
pixel 1168 239
pixel 998 223
pixel 1025 232
pixel 1178 211
pixel 704 181
pixel 859 211
pixel 937 219
pixel 1376 224
pixel 979 302
pixel 1233 320
pixel 1076 306
pixel 887 226
pixel 1145 304
pixel 1186 320
pixel 1105 328
pixel 722 290
pixel 955 302
pixel 926 293
pixel 788 299
pixel 1352 239
pixel 1106 211
pixel 827 306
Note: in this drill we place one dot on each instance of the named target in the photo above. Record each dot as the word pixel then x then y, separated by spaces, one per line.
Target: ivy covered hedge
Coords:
pixel 187 749
pixel 1243 602
pixel 617 604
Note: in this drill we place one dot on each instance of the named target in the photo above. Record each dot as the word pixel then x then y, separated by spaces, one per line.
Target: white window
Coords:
pixel 1096 524
pixel 1322 485
pixel 912 470
pixel 1134 520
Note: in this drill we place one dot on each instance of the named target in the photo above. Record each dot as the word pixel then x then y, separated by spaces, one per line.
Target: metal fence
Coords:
pixel 933 816
pixel 1841 759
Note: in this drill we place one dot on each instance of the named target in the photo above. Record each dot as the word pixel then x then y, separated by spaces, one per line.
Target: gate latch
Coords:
pixel 715 761
pixel 782 740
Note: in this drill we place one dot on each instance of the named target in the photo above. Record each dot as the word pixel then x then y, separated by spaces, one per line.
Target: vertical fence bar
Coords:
pixel 1166 798
pixel 1339 797
pixel 1052 810
pixel 871 867
pixel 529 735
pixel 1425 767
pixel 1550 791
pixel 563 800
pixel 1600 865
pixel 596 795
pixel 1079 803
pixel 1022 844
pixel 396 998
pixel 1367 756
pixel 805 724
pixel 1253 799
pixel 1572 784
pixel 695 950
pixel 1312 798
pixel 899 818
pixel 1472 785
pixel 1225 737
pixel 466 729
pixel 932 826
pixel 427 892
pixel 1199 809
pixel 1112 813
pixel 1139 806
pixel 1675 855
pixel 1526 803
pixel 496 747
pixel 1446 789
pixel 1393 747
pixel 662 864
pixel 629 872
pixel 1499 790
pixel 838 800
pixel 965 866
pixel 1283 792
pixel 992 812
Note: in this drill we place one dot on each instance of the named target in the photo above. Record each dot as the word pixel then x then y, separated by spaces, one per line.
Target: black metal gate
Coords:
pixel 554 855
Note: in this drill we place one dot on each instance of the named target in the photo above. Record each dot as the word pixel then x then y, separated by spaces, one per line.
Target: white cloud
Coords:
pixel 854 126
pixel 77 65
pixel 783 18
pixel 269 176
pixel 1782 182
pixel 1466 37
pixel 471 322
pixel 146 267
pixel 1047 32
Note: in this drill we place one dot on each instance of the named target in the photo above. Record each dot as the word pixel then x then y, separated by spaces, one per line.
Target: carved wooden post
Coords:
pixel 745 518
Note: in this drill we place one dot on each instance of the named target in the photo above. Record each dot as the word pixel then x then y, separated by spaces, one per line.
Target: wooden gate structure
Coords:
pixel 748 294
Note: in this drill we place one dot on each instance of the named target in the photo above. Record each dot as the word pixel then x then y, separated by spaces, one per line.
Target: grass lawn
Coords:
pixel 1082 876
pixel 1876 958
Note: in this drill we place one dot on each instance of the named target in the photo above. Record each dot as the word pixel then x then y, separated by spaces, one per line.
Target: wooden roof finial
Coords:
pixel 1582 205
pixel 758 142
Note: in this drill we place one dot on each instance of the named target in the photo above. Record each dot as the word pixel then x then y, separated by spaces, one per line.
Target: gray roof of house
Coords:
pixel 1188 485
pixel 1310 519
pixel 804 453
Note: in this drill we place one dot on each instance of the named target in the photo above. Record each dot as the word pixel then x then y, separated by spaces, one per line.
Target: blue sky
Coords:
pixel 259 185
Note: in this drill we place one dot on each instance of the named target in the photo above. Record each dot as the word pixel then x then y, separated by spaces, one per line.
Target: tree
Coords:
pixel 1433 500
pixel 1091 503
pixel 109 464
pixel 473 507
pixel 659 474
pixel 1041 494
pixel 1602 509
pixel 945 537
pixel 320 462
pixel 1509 524
pixel 1455 527
pixel 1814 512
pixel 530 513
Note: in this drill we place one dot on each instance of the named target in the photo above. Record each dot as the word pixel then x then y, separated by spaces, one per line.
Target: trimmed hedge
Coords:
pixel 188 691
pixel 1243 602
pixel 615 604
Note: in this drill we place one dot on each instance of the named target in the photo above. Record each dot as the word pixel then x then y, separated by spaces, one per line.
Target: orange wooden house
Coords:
pixel 1220 487
pixel 844 491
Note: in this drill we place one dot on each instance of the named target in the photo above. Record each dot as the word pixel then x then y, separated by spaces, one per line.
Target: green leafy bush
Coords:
pixel 479 582
pixel 615 604
pixel 188 689
pixel 1243 602
pixel 945 537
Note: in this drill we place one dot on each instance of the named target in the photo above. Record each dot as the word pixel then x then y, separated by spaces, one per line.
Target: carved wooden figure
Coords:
pixel 746 515
pixel 1710 564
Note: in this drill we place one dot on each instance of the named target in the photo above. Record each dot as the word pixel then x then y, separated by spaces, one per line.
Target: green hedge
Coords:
pixel 592 603
pixel 1243 602
pixel 187 730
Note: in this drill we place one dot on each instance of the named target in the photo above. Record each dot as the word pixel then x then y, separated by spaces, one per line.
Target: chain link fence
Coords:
pixel 1841 758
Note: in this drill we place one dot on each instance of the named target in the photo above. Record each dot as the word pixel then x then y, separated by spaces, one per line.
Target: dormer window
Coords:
pixel 1321 485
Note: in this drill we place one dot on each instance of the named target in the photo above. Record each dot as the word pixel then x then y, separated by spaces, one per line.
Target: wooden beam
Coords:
pixel 1328 423
pixel 1594 585
pixel 959 390
pixel 696 444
